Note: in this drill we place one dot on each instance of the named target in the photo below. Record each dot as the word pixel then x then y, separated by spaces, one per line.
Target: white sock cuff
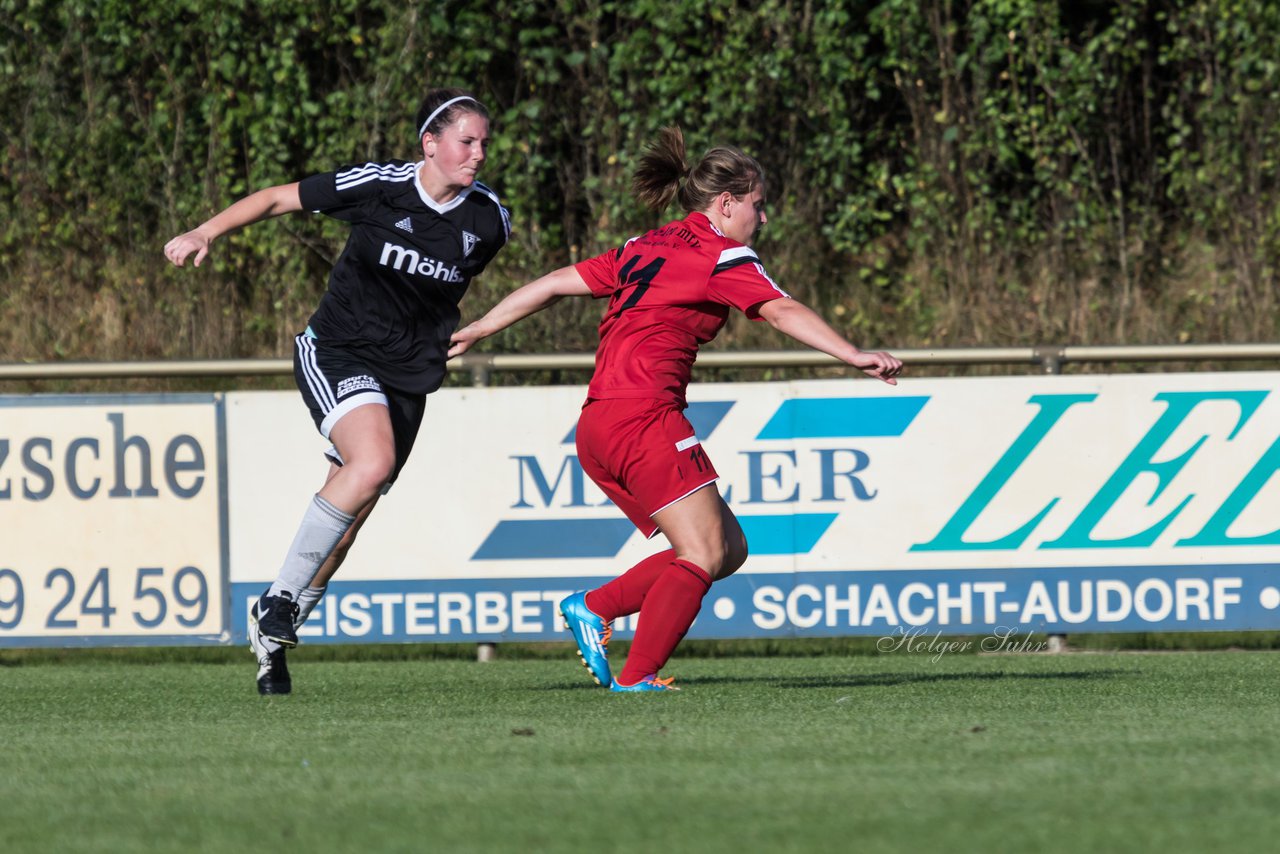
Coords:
pixel 312 593
pixel 308 598
pixel 331 514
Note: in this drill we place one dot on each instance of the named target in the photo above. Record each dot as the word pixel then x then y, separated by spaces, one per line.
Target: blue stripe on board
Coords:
pixel 789 604
pixel 842 417
pixel 787 534
pixel 515 539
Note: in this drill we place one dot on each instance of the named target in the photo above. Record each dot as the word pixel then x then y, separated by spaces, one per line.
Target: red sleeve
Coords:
pixel 600 273
pixel 739 280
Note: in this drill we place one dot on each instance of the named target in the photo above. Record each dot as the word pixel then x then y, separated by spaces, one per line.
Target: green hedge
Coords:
pixel 941 172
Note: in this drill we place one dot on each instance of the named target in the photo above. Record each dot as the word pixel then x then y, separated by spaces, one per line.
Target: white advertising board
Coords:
pixel 114 520
pixel 1098 503
pixel 960 506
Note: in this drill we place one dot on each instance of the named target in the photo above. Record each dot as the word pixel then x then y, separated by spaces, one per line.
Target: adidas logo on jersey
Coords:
pixel 405 225
pixel 406 260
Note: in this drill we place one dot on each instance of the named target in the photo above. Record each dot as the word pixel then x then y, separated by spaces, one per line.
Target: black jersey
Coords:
pixel 393 294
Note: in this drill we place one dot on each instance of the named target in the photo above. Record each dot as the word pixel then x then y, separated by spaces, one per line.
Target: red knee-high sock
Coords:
pixel 668 612
pixel 626 593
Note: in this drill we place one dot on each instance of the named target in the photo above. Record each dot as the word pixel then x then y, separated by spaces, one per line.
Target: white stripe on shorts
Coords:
pixel 311 371
pixel 681 498
pixel 334 415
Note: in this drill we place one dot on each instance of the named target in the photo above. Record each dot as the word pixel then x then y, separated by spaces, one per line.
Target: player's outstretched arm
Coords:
pixel 797 320
pixel 519 304
pixel 264 204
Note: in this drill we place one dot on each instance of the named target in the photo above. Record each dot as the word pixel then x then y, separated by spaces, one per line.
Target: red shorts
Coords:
pixel 643 454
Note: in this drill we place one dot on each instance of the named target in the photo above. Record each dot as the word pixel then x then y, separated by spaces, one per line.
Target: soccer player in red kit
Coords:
pixel 669 291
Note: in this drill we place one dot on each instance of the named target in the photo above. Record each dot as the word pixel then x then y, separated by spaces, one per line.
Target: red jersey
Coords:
pixel 669 292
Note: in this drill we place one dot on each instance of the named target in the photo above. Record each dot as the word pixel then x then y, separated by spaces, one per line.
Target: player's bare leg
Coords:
pixel 709 545
pixel 364 440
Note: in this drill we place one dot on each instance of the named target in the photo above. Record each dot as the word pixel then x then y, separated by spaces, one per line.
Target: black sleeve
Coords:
pixel 496 228
pixel 500 240
pixel 341 194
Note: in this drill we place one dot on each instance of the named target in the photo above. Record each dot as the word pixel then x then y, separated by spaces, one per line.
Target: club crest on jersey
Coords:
pixel 469 242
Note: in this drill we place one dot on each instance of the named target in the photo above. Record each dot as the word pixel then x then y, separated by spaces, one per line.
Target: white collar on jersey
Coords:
pixel 432 203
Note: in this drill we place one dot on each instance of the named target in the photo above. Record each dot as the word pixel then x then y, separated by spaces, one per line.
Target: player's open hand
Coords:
pixel 181 247
pixel 879 365
pixel 464 338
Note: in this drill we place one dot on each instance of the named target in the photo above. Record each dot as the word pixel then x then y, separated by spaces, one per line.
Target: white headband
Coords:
pixel 440 109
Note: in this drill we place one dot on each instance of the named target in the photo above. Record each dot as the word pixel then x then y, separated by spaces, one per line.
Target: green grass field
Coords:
pixel 1093 752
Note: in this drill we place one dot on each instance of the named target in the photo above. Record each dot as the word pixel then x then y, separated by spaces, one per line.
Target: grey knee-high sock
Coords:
pixel 322 528
pixel 307 600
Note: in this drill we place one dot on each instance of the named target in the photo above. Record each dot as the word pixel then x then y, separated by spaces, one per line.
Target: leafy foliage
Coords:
pixel 940 171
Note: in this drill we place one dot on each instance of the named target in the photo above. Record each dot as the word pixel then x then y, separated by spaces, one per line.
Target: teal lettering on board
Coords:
pixel 1178 405
pixel 1214 532
pixel 951 537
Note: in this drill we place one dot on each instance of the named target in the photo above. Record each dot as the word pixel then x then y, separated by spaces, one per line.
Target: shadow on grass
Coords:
pixel 871 680
pixel 865 680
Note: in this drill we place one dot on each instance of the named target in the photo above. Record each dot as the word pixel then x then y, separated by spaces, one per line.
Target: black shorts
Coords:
pixel 333 382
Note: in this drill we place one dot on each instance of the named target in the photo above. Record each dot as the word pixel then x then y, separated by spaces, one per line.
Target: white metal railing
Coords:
pixel 1050 359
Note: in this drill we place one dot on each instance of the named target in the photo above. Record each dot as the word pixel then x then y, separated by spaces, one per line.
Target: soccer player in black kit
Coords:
pixel 376 345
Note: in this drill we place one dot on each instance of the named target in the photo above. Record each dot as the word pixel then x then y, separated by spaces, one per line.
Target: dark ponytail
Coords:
pixel 662 174
pixel 661 169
